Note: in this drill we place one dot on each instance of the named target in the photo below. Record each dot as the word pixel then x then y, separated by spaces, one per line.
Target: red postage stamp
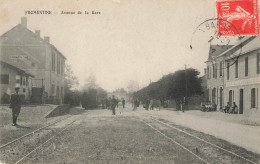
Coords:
pixel 241 14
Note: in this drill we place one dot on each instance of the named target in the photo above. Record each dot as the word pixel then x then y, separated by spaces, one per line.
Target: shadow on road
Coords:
pixel 24 127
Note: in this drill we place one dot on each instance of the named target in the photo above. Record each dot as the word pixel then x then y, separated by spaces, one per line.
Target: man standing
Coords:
pixel 15 105
pixel 123 103
pixel 113 105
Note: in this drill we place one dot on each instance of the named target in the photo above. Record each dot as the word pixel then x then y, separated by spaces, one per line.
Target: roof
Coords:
pixel 31 38
pixel 254 44
pixel 19 69
pixel 237 46
pixel 216 50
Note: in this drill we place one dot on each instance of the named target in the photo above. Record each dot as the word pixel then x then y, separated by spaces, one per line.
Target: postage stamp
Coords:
pixel 243 14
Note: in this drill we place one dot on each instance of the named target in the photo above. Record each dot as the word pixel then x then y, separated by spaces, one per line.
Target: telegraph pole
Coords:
pixel 185 97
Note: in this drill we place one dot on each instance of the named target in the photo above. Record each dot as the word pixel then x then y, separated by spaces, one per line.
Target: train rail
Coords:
pixel 41 145
pixel 150 121
pixel 20 148
pixel 33 132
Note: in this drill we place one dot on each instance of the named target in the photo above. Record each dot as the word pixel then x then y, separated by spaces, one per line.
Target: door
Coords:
pixel 220 98
pixel 37 95
pixel 241 101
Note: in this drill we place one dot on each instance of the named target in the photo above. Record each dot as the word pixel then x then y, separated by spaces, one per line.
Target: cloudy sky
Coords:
pixel 139 40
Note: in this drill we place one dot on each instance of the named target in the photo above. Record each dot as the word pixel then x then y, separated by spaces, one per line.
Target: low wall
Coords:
pixel 58 111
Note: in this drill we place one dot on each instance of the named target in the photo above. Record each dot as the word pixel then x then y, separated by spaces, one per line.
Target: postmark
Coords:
pixel 243 14
pixel 207 36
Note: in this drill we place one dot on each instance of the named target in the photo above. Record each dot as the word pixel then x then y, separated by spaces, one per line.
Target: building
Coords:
pixel 11 77
pixel 215 74
pixel 242 82
pixel 233 75
pixel 22 48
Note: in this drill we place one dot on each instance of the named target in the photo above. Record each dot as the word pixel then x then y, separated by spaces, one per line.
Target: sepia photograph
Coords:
pixel 129 82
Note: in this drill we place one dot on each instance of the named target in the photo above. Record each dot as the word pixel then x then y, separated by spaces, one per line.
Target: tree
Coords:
pixel 93 94
pixel 71 94
pixel 184 83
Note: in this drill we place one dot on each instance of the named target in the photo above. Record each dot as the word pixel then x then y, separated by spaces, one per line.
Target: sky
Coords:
pixel 139 40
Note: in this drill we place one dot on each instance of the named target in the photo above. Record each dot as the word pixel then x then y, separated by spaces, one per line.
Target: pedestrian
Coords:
pixel 113 105
pixel 227 107
pixel 135 104
pixel 234 108
pixel 15 105
pixel 117 102
pixel 147 102
pixel 123 103
pixel 109 103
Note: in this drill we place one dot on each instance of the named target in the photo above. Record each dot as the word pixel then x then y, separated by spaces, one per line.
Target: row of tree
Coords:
pixel 176 86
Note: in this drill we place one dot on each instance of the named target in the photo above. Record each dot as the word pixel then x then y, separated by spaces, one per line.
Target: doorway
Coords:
pixel 241 101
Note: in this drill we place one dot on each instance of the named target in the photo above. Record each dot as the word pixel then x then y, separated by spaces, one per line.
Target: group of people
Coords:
pixel 112 103
pixel 231 109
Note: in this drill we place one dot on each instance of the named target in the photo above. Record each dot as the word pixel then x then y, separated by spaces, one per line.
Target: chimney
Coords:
pixel 47 39
pixel 38 33
pixel 24 22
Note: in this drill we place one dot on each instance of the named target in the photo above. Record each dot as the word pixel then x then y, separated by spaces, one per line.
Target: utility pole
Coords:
pixel 185 97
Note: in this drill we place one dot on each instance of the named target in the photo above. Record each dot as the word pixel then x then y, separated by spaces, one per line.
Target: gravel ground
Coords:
pixel 99 137
pixel 111 139
pixel 30 118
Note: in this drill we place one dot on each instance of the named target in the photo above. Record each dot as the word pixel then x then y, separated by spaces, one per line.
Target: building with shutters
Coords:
pixel 26 50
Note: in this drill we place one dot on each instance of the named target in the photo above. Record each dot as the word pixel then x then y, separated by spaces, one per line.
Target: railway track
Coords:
pixel 20 148
pixel 205 151
pixel 31 133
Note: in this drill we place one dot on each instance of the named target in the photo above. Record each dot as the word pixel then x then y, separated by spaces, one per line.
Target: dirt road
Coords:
pixel 96 136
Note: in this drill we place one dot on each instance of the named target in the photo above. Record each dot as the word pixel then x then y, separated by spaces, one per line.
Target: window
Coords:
pixel 253 98
pixel 58 64
pixel 258 63
pixel 208 71
pixel 221 97
pixel 216 71
pixel 52 89
pixel 21 80
pixel 4 79
pixel 246 66
pixel 220 69
pixel 62 66
pixel 236 67
pixel 213 70
pixel 58 92
pixel 214 95
pixel 227 71
pixel 53 61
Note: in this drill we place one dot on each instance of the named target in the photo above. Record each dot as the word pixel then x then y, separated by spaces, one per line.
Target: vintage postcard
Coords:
pixel 129 81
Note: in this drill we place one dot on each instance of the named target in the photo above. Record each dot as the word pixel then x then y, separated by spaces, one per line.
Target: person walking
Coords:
pixel 15 105
pixel 123 103
pixel 113 105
